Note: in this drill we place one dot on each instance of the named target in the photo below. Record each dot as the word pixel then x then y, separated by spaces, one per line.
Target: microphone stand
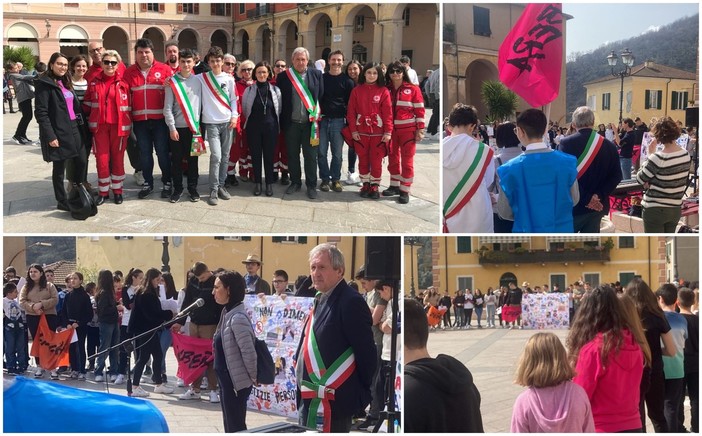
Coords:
pixel 391 414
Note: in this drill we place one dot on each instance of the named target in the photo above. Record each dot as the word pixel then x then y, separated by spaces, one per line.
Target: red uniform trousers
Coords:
pixel 280 154
pixel 109 150
pixel 401 158
pixel 370 153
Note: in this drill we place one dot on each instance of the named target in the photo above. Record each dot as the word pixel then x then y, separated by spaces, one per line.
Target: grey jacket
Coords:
pixel 24 86
pixel 171 108
pixel 238 342
pixel 249 97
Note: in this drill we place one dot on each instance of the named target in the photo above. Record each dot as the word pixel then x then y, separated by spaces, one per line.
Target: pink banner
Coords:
pixel 193 355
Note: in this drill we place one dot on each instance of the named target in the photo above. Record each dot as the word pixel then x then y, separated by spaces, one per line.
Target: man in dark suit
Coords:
pixel 341 323
pixel 297 118
pixel 598 171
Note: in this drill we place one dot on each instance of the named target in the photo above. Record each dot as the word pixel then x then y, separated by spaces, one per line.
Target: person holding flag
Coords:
pixel 598 171
pixel 219 117
pixel 301 89
pixel 182 113
pixel 468 172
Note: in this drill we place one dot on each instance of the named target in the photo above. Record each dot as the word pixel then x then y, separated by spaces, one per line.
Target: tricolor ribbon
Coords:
pixel 594 143
pixel 197 146
pixel 314 110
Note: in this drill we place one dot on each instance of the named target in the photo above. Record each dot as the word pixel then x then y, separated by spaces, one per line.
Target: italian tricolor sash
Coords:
pixel 197 147
pixel 321 387
pixel 213 86
pixel 469 184
pixel 594 143
pixel 306 96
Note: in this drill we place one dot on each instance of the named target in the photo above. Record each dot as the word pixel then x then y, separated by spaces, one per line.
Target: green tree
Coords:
pixel 19 54
pixel 500 101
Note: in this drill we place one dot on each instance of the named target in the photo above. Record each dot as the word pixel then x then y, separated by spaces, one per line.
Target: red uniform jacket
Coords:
pixel 370 110
pixel 148 94
pixel 95 102
pixel 408 106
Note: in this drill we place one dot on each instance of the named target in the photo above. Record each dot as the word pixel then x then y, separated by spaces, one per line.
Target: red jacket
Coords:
pixel 408 106
pixel 370 110
pixel 95 102
pixel 148 95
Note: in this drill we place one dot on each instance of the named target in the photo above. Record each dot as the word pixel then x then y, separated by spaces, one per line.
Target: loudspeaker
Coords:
pixel 383 257
pixel 692 117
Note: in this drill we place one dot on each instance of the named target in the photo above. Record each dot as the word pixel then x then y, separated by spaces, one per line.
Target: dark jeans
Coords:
pixel 502 225
pixel 59 169
pixel 109 336
pixel 133 152
pixel 587 223
pixel 86 145
pixel 351 158
pixel 330 137
pixel 233 403
pixel 297 137
pixel 77 350
pixel 14 339
pixel 447 318
pixel 478 314
pixel 123 354
pixel 93 339
pixel 33 325
pixel 148 346
pixel 376 405
pixel 468 315
pixel 672 403
pixel 150 135
pixel 433 127
pixel 26 108
pixel 692 383
pixel 179 150
pixel 339 423
pixel 262 140
pixel 653 399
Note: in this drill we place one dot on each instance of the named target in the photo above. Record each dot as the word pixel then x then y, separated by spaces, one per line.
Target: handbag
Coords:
pixel 80 203
pixel 265 367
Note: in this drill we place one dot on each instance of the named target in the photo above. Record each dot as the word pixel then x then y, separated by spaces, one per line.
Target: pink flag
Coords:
pixel 193 355
pixel 531 56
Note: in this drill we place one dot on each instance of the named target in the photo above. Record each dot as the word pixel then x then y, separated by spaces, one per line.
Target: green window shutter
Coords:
pixel 302 240
pixel 647 100
pixel 684 97
pixel 660 99
pixel 674 100
pixel 278 239
pixel 463 244
pixel 246 238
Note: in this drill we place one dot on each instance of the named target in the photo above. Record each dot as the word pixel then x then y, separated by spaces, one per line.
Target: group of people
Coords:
pixel 116 309
pixel 259 116
pixel 531 187
pixel 628 355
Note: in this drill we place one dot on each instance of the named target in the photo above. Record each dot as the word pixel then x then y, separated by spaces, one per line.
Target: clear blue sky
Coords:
pixel 596 24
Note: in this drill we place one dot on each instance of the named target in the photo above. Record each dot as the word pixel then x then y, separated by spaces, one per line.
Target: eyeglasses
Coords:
pixel 96 50
pixel 60 64
pixel 280 66
pixel 246 69
pixel 230 64
pixel 110 63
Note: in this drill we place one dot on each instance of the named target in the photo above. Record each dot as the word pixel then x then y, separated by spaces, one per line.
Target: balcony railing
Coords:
pixel 543 256
pixel 258 11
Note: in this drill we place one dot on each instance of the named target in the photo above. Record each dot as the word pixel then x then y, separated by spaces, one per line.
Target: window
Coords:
pixel 558 279
pixel 290 239
pixel 592 278
pixel 465 282
pixel 510 246
pixel 626 242
pixel 221 9
pixel 555 246
pixel 360 23
pixel 152 7
pixel 189 8
pixel 625 277
pixel 71 5
pixel 678 100
pixel 114 6
pixel 653 99
pixel 232 238
pixel 592 102
pixel 463 244
pixel 242 8
pixel 605 101
pixel 481 21
pixel 124 238
pixel 406 16
pixel 328 28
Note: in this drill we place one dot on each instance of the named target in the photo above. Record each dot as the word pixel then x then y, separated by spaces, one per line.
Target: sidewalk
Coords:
pixel 29 205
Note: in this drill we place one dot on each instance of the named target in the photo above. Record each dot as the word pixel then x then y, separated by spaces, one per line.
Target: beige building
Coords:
pixel 491 261
pixel 651 91
pixel 473 34
pixel 260 31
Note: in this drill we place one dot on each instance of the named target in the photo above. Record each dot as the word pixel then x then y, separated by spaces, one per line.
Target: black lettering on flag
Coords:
pixel 532 45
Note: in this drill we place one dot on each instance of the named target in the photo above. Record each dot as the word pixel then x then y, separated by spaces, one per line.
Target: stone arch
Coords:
pixel 189 38
pixel 363 32
pixel 264 43
pixel 507 278
pixel 477 72
pixel 321 24
pixel 73 40
pixel 241 45
pixel 23 34
pixel 221 38
pixel 116 38
pixel 158 38
pixel 287 40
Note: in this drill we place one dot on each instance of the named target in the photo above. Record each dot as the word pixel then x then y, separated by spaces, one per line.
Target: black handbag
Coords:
pixel 265 367
pixel 80 203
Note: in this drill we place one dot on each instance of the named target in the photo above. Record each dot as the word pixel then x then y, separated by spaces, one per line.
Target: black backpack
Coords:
pixel 265 367
pixel 81 203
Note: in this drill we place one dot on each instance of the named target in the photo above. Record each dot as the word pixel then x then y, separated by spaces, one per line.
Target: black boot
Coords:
pixel 269 190
pixel 257 189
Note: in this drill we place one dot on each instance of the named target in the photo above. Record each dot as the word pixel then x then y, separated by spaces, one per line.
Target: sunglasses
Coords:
pixel 96 50
pixel 229 64
pixel 246 69
pixel 280 66
pixel 396 72
pixel 112 63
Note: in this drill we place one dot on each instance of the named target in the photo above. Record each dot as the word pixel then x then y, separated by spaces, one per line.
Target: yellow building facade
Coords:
pixel 289 253
pixel 482 262
pixel 470 57
pixel 652 91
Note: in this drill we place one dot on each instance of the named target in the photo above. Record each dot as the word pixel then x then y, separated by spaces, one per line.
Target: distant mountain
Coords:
pixel 675 45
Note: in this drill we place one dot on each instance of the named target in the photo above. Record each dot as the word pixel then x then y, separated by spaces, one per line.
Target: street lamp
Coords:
pixel 165 257
pixel 36 244
pixel 628 62
pixel 411 241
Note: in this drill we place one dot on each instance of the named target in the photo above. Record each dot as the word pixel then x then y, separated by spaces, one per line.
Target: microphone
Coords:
pixel 198 303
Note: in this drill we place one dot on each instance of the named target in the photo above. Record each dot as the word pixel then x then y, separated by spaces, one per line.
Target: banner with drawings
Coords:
pixel 279 322
pixel 545 311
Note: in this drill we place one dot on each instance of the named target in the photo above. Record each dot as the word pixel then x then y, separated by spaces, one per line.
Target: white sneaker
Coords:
pixel 180 383
pixel 349 178
pixel 214 398
pixel 189 395
pixel 39 373
pixel 81 376
pixel 113 378
pixel 119 380
pixel 99 378
pixel 54 375
pixel 139 392
pixel 139 178
pixel 163 389
pixel 204 383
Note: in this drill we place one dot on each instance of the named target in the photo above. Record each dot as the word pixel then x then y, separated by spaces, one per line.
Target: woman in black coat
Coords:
pixel 78 312
pixel 59 133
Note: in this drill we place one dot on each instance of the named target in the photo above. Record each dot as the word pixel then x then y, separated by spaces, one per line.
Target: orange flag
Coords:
pixel 434 315
pixel 50 347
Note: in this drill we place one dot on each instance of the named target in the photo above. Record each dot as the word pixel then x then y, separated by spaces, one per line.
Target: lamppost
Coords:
pixel 628 62
pixel 411 241
pixel 36 244
pixel 165 257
